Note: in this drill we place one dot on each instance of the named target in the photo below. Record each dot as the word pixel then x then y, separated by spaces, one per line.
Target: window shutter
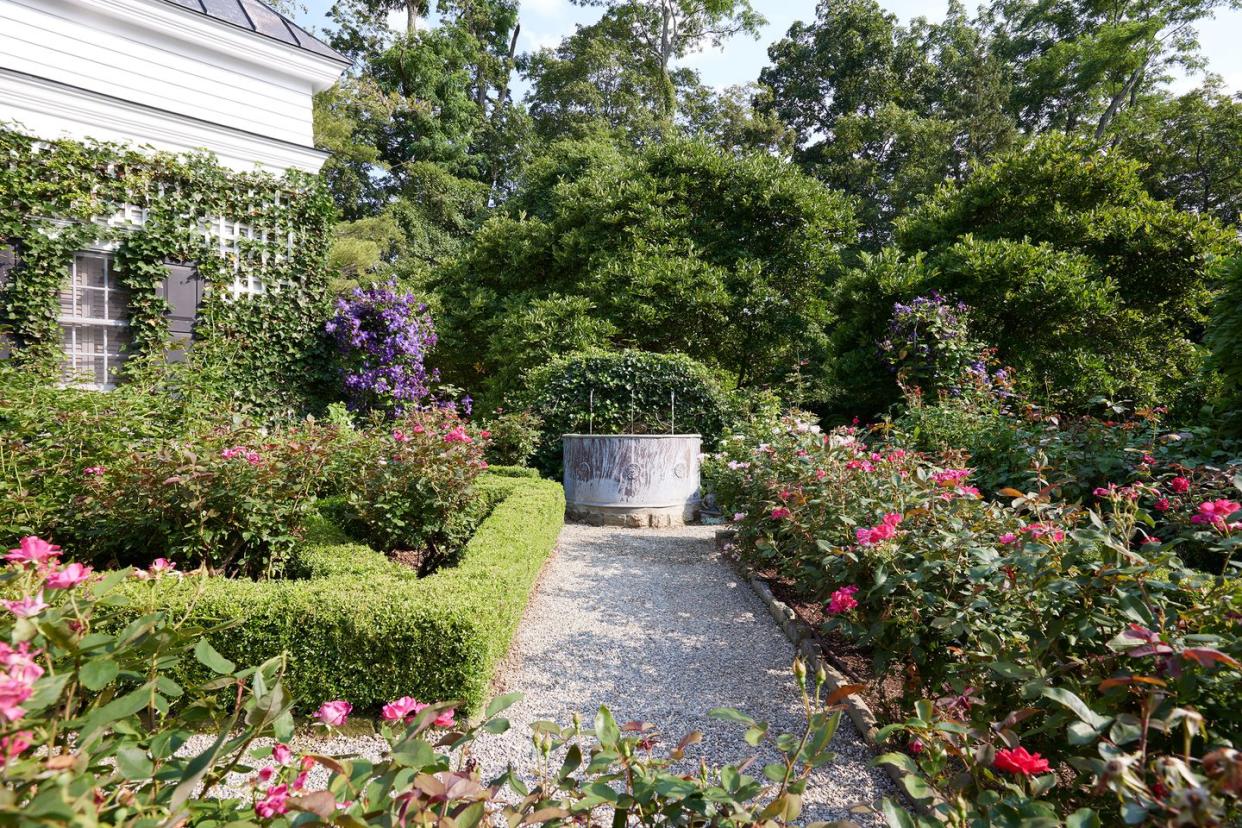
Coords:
pixel 183 290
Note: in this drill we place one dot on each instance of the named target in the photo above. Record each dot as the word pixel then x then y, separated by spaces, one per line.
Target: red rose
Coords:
pixel 1020 761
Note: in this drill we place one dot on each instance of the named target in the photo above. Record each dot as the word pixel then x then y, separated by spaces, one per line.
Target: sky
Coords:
pixel 545 22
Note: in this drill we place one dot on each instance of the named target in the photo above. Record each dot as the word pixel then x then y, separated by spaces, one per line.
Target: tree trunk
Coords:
pixel 1115 104
pixel 666 54
pixel 411 16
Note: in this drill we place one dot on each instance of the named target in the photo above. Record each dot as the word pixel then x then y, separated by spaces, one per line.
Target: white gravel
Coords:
pixel 653 624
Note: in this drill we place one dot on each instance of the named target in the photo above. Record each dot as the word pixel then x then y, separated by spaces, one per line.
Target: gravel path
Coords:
pixel 654 625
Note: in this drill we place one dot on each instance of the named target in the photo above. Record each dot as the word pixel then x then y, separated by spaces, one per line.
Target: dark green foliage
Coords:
pixel 632 393
pixel 1191 148
pixel 1079 278
pixel 360 627
pixel 886 112
pixel 677 248
pixel 1225 339
pixel 512 437
pixel 264 351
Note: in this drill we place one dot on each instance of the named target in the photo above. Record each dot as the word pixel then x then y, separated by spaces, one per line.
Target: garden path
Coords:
pixel 656 626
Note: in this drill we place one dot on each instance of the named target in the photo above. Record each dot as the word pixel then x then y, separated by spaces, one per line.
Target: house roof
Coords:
pixel 261 19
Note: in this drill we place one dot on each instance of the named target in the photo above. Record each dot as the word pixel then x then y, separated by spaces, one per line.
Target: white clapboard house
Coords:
pixel 233 77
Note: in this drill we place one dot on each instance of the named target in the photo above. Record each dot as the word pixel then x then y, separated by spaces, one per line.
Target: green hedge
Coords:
pixel 513 471
pixel 362 628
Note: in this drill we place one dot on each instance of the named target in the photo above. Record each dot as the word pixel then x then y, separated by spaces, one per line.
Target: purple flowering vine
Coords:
pixel 383 336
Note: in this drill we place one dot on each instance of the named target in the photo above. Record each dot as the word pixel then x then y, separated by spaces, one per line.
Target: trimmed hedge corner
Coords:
pixel 363 628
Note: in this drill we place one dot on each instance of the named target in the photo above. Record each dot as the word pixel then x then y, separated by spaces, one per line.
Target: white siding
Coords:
pixel 59 41
pixel 174 68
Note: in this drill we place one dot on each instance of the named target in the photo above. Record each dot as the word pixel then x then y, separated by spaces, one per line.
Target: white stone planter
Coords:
pixel 632 479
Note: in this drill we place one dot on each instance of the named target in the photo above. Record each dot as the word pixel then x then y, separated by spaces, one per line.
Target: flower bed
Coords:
pixel 361 627
pixel 1024 625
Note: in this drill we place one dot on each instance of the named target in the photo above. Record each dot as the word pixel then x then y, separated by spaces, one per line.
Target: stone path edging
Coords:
pixel 803 638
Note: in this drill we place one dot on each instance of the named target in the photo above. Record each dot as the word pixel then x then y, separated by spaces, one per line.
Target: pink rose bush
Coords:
pixel 978 605
pixel 414 489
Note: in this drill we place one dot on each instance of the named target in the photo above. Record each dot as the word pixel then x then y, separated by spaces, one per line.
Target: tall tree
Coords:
pixel 664 30
pixel 1076 64
pixel 595 83
pixel 1192 146
pixel 886 112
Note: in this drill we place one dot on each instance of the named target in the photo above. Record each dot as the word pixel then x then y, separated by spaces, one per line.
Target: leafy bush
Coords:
pixel 411 488
pixel 383 336
pixel 998 614
pixel 513 437
pixel 1225 339
pixel 231 499
pixel 1080 279
pixel 677 248
pixel 93 725
pixel 928 345
pixel 622 392
pixel 357 625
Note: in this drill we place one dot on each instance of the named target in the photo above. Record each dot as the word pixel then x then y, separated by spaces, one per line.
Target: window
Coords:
pixel 94 309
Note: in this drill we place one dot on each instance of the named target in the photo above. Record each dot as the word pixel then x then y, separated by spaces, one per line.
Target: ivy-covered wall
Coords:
pixel 56 198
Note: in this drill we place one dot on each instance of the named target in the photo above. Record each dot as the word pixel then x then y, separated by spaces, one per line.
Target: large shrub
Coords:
pixel 676 248
pixel 1225 339
pixel 622 392
pixel 1032 622
pixel 1075 274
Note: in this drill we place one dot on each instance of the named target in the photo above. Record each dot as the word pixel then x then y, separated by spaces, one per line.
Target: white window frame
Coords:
pixel 71 323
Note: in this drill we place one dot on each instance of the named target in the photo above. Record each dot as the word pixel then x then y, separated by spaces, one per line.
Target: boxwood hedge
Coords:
pixel 363 628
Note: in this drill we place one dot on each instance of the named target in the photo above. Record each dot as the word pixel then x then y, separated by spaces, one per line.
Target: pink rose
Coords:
pixel 27 607
pixel 445 719
pixel 12 693
pixel 780 512
pixel 266 774
pixel 403 708
pixel 31 549
pixel 1179 485
pixel 13 746
pixel 69 577
pixel 1008 538
pixel 1162 505
pixel 334 713
pixel 281 753
pixel 274 802
pixel 19 662
pixel 842 600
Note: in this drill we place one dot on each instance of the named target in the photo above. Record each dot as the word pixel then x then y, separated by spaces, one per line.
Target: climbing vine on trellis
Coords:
pixel 56 198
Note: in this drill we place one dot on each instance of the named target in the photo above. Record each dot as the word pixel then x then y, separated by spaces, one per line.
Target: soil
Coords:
pixel 412 558
pixel 883 693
